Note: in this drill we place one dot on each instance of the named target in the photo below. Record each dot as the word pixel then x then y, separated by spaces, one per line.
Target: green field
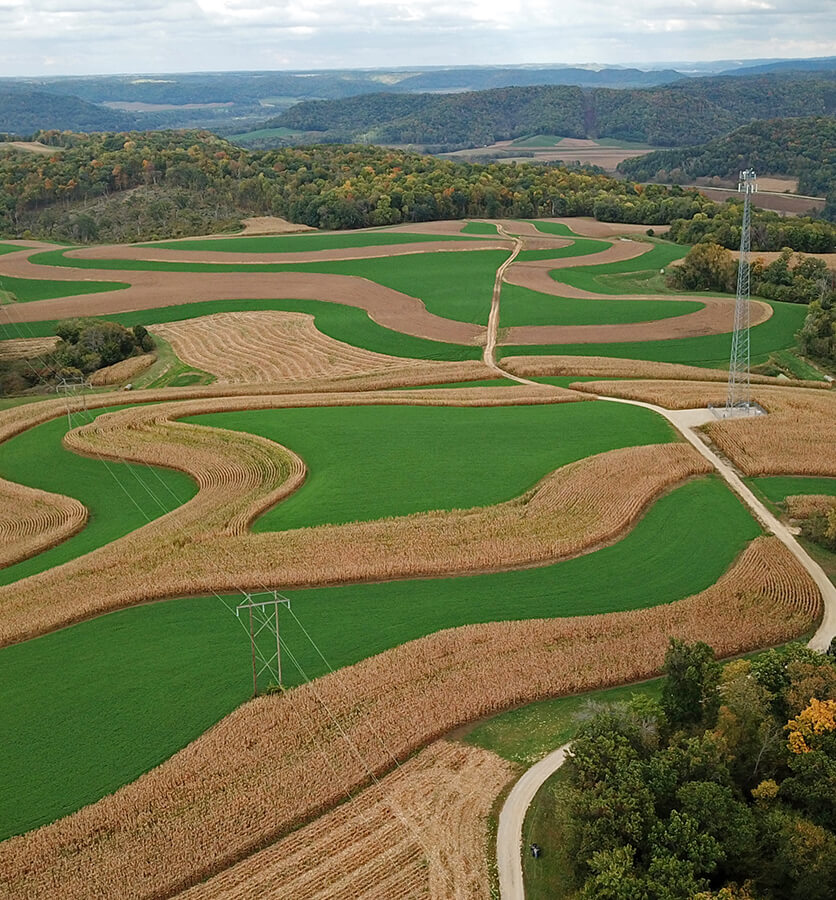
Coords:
pixel 8 248
pixel 120 497
pixel 553 228
pixel 712 351
pixel 624 277
pixel 341 322
pixel 537 140
pixel 369 462
pixel 523 306
pixel 776 488
pixel 454 285
pixel 480 228
pixel 166 671
pixel 579 247
pixel 526 734
pixel 304 243
pixel 26 290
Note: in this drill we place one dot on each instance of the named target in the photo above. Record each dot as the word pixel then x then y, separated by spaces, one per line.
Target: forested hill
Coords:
pixel 146 185
pixel 680 114
pixel 804 148
pixel 24 111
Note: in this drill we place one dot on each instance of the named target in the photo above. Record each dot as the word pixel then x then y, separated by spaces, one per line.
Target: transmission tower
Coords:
pixel 264 617
pixel 739 399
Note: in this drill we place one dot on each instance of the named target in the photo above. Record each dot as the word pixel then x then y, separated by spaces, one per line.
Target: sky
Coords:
pixel 85 37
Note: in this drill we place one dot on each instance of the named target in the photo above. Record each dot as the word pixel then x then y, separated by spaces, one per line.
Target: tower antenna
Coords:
pixel 739 399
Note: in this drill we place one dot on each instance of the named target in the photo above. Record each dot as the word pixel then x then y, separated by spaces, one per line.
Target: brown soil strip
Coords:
pixel 269 346
pixel 418 834
pixel 279 761
pixel 150 290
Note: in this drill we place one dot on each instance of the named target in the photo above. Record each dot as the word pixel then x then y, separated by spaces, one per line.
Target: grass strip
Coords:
pixel 710 351
pixel 166 671
pixel 303 243
pixel 370 462
pixel 119 496
pixel 27 290
pixel 523 306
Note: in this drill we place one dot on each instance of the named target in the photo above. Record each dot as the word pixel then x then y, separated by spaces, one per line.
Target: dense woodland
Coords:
pixel 684 113
pixel 133 186
pixel 801 147
pixel 726 788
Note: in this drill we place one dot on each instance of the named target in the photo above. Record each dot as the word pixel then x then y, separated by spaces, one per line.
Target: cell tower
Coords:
pixel 739 399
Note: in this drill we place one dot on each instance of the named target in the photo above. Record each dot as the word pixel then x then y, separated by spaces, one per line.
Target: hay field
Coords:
pixel 268 346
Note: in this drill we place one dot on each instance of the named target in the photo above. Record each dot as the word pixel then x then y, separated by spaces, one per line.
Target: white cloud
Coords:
pixel 90 36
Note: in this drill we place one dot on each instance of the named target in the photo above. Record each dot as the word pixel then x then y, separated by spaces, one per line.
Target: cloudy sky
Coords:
pixel 76 37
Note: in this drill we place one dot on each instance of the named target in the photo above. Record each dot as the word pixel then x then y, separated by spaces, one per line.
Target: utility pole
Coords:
pixel 739 398
pixel 264 616
pixel 70 387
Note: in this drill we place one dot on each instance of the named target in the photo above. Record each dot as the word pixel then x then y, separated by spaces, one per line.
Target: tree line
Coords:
pixel 724 788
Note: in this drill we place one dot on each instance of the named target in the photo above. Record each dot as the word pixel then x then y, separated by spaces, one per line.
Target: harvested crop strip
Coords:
pixel 420 833
pixel 797 437
pixel 23 348
pixel 279 761
pixel 32 521
pixel 123 370
pixel 251 347
pixel 613 367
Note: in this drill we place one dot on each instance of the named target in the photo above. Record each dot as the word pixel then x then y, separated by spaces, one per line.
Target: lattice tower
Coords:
pixel 739 395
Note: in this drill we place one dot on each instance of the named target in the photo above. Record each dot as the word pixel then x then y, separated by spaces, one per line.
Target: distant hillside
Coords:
pixel 24 111
pixel 804 148
pixel 680 114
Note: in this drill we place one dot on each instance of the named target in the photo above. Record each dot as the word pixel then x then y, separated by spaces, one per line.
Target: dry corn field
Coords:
pixel 277 762
pixel 22 348
pixel 204 545
pixel 613 367
pixel 122 371
pixel 797 437
pixel 253 347
pixel 418 834
pixel 802 506
pixel 32 521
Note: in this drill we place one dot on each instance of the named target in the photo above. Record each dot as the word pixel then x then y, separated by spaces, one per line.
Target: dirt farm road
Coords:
pixel 512 816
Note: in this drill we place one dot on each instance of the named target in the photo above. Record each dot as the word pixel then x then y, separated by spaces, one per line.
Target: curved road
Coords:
pixel 512 816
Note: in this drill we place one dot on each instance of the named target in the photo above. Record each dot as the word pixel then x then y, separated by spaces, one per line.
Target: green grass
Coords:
pixel 553 228
pixel 527 733
pixel 369 462
pixel 538 140
pixel 165 671
pixel 776 488
pixel 303 243
pixel 344 323
pixel 120 497
pixel 8 248
pixel 549 877
pixel 712 351
pixel 580 247
pixel 523 306
pixel 168 370
pixel 454 285
pixel 629 276
pixel 480 228
pixel 27 290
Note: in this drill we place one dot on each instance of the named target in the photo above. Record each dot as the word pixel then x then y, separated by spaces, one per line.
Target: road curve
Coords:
pixel 512 816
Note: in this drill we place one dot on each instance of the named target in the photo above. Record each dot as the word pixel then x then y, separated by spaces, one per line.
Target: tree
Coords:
pixel 690 696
